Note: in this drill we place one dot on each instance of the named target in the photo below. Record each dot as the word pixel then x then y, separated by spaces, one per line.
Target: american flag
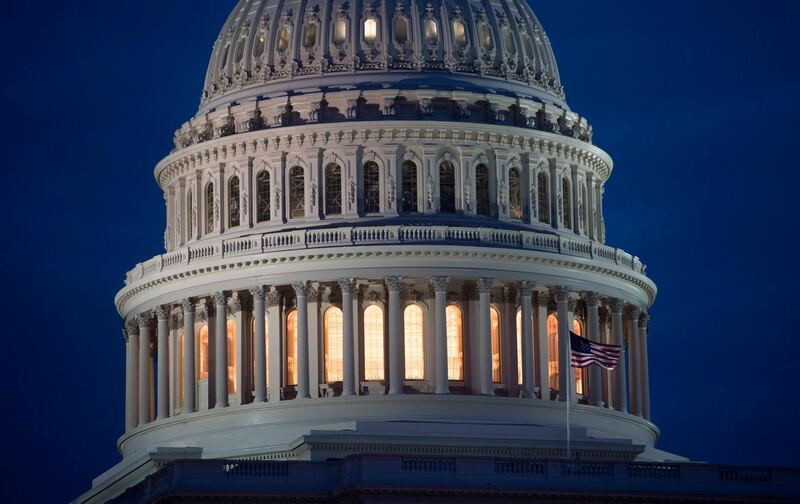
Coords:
pixel 586 352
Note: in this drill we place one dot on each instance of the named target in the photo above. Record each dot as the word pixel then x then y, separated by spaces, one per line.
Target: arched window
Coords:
pixel 455 343
pixel 234 217
pixel 310 36
pixel 519 347
pixel 340 32
pixel 189 216
pixel 508 41
pixel 260 44
pixel 459 33
pixel 431 32
pixel 297 193
pixel 514 194
pixel 414 342
pixel 333 189
pixel 284 38
pixel 543 197
pixel 447 187
pixel 577 328
pixel 231 356
pixel 552 350
pixel 372 187
pixel 566 203
pixel 400 29
pixel 240 48
pixel 409 187
pixel 291 348
pixel 263 211
pixel 333 344
pixel 209 208
pixel 373 343
pixel 486 36
pixel 202 344
pixel 370 30
pixel 482 191
pixel 497 375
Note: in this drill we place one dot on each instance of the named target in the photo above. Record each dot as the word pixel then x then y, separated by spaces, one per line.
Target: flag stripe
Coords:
pixel 585 353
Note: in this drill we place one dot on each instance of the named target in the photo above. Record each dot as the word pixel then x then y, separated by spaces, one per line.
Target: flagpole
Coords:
pixel 569 385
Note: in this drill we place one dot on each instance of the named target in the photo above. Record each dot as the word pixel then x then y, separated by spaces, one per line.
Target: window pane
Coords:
pixel 291 348
pixel 284 38
pixel 508 40
pixel 334 346
pixel 486 36
pixel 409 189
pixel 234 217
pixel 514 194
pixel 297 193
pixel 577 328
pixel 263 197
pixel 202 339
pixel 431 32
pixel 261 43
pixel 240 49
pixel 482 198
pixel 310 36
pixel 340 32
pixel 459 33
pixel 552 350
pixel 400 30
pixel 372 188
pixel 333 190
pixel 447 187
pixel 373 343
pixel 413 339
pixel 231 356
pixel 497 375
pixel 370 30
pixel 455 344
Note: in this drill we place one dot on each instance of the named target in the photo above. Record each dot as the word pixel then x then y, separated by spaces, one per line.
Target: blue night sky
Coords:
pixel 697 102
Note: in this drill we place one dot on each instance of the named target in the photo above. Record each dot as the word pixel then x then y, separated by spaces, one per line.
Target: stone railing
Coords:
pixel 220 248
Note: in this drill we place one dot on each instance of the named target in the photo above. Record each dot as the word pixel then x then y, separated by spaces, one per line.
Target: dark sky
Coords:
pixel 697 101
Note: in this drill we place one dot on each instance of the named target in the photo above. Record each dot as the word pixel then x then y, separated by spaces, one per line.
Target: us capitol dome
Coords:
pixel 382 224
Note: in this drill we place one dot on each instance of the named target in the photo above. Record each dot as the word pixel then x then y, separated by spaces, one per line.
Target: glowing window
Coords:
pixel 552 350
pixel 514 194
pixel 447 187
pixel 414 341
pixel 209 208
pixel 262 197
pixel 373 343
pixel 231 356
pixel 566 203
pixel 577 328
pixel 370 30
pixel 459 33
pixel 544 197
pixel 455 343
pixel 234 193
pixel 340 32
pixel 431 32
pixel 291 348
pixel 482 198
pixel 310 36
pixel 261 43
pixel 497 375
pixel 333 344
pixel 202 342
pixel 400 30
pixel 297 193
pixel 486 36
pixel 372 188
pixel 409 187
pixel 333 189
pixel 284 38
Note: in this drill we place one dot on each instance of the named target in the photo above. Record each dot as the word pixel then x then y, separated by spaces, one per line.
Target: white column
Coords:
pixel 526 330
pixel 485 334
pixel 644 370
pixel 542 350
pixel 242 349
pixel 564 350
pixel 274 368
pixel 189 375
pixel 131 374
pixel 440 291
pixel 348 287
pixel 593 322
pixel 259 345
pixel 163 363
pixel 221 351
pixel 144 366
pixel 301 291
pixel 634 371
pixel 618 375
pixel 393 285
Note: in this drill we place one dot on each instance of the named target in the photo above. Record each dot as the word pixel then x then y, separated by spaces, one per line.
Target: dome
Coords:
pixel 270 46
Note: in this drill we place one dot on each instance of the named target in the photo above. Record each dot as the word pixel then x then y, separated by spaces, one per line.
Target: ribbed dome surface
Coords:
pixel 276 46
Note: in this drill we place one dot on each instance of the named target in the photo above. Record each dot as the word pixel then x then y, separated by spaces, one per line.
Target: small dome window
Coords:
pixel 340 32
pixel 486 36
pixel 431 32
pixel 400 30
pixel 260 45
pixel 508 41
pixel 310 36
pixel 240 48
pixel 370 30
pixel 459 33
pixel 284 38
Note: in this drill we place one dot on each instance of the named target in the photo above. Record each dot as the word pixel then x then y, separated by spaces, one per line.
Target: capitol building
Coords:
pixel 381 226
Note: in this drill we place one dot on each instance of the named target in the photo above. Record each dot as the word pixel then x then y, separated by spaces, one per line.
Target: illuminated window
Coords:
pixel 482 198
pixel 209 208
pixel 262 197
pixel 431 32
pixel 370 30
pixel 544 197
pixel 261 43
pixel 459 33
pixel 447 187
pixel 310 36
pixel 566 203
pixel 409 187
pixel 414 342
pixel 234 217
pixel 373 343
pixel 400 30
pixel 497 375
pixel 333 189
pixel 333 344
pixel 291 348
pixel 577 328
pixel 284 38
pixel 297 193
pixel 519 347
pixel 202 342
pixel 455 343
pixel 514 194
pixel 485 36
pixel 372 188
pixel 231 356
pixel 340 32
pixel 552 350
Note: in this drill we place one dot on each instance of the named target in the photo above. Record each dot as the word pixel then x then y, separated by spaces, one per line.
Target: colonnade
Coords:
pixel 176 354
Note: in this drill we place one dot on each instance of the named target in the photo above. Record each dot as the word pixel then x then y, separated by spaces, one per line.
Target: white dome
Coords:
pixel 271 46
